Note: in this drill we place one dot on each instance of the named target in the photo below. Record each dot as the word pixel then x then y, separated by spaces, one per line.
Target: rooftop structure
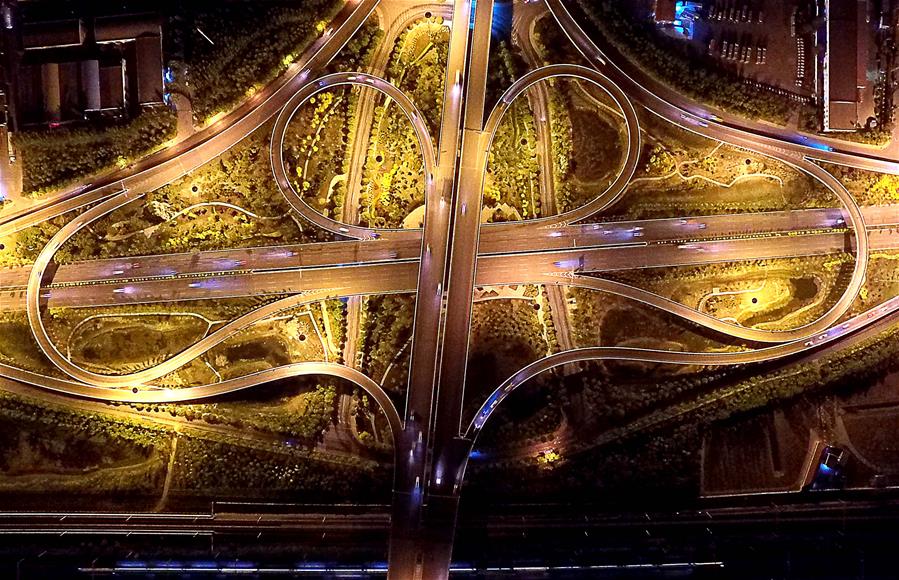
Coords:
pixel 56 34
pixel 844 65
pixel 664 11
pixel 74 69
pixel 676 17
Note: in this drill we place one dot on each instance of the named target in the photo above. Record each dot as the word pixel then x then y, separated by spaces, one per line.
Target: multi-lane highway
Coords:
pixel 445 261
pixel 828 222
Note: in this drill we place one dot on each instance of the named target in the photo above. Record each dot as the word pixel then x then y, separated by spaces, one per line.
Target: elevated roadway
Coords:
pixel 426 489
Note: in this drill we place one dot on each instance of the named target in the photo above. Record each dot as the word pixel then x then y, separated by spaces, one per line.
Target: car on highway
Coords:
pixel 803 140
pixel 693 120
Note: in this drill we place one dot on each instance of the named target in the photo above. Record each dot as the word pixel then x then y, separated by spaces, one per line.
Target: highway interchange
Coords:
pixel 444 262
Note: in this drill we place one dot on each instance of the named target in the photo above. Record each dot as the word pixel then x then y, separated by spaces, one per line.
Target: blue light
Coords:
pixel 502 19
pixel 820 146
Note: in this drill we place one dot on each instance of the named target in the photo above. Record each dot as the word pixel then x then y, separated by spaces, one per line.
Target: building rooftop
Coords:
pixel 126 27
pixel 841 89
pixel 664 10
pixel 55 34
pixel 148 62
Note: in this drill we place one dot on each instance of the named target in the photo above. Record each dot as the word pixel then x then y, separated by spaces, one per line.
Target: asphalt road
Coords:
pixel 446 265
pixel 492 241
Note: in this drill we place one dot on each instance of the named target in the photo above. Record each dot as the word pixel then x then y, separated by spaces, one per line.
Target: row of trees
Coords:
pixel 358 52
pixel 17 344
pixel 55 158
pixel 418 66
pixel 77 445
pixel 393 180
pixel 386 328
pixel 306 424
pixel 337 315
pixel 512 169
pixel 867 187
pixel 207 467
pixel 506 335
pixel 251 44
pixel 355 56
pixel 315 148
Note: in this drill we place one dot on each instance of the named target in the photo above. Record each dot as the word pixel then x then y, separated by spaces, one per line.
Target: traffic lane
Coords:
pixel 639 256
pixel 457 326
pixel 355 279
pixel 511 237
pixel 183 394
pixel 881 215
pixel 409 479
pixel 475 96
pixel 519 236
pixel 361 284
pixel 222 261
pixel 496 269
